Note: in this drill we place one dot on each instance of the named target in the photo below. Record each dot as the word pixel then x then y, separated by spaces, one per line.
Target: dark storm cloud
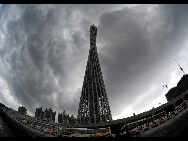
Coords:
pixel 136 45
pixel 37 57
pixel 44 51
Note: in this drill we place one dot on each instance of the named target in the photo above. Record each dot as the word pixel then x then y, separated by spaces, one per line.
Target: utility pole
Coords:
pixel 180 66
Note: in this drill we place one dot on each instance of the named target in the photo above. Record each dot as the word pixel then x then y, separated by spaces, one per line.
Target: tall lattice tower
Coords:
pixel 94 106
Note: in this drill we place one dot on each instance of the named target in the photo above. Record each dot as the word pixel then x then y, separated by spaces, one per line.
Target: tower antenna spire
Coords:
pixel 180 66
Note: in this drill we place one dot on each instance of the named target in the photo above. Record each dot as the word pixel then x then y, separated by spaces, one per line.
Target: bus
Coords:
pixel 85 132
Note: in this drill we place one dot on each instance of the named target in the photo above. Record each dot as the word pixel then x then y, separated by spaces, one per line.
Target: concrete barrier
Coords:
pixel 171 127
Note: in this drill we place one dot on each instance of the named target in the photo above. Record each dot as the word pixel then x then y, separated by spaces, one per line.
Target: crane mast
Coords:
pixel 180 66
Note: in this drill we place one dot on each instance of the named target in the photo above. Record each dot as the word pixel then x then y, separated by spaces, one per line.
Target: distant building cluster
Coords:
pixel 65 119
pixel 48 114
pixel 22 110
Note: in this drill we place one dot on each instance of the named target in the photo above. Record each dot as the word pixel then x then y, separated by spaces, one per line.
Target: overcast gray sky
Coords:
pixel 44 51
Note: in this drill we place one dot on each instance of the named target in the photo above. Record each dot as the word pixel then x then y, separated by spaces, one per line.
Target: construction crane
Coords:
pixel 180 69
pixel 180 66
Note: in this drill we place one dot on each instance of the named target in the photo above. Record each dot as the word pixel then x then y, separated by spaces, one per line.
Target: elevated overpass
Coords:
pixel 117 124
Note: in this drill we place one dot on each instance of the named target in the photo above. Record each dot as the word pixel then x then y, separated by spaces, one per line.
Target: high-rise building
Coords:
pixel 94 106
pixel 47 114
pixel 39 113
pixel 22 110
pixel 64 118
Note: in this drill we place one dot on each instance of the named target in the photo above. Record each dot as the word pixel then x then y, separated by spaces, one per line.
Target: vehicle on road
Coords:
pixel 85 132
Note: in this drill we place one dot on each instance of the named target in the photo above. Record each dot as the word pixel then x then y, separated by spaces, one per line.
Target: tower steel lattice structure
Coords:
pixel 94 106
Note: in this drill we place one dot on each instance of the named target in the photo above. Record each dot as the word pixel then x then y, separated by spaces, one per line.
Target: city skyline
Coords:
pixel 44 51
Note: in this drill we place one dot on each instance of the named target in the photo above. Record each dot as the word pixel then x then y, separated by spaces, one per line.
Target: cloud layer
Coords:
pixel 44 51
